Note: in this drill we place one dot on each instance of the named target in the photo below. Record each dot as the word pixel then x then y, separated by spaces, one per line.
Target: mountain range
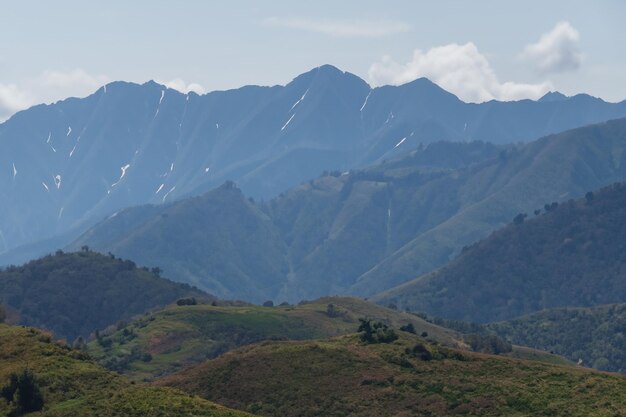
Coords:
pixel 364 231
pixel 75 161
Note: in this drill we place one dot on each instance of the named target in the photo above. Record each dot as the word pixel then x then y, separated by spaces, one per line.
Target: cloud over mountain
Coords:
pixel 460 69
pixel 47 87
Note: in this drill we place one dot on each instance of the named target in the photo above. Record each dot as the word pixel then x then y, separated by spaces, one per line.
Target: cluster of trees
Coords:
pixel 190 301
pixel 376 332
pixel 22 391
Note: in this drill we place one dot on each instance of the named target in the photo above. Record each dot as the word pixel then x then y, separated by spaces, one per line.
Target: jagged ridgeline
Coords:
pixel 78 160
pixel 74 294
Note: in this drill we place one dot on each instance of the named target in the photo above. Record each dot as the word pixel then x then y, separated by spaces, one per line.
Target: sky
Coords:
pixel 479 50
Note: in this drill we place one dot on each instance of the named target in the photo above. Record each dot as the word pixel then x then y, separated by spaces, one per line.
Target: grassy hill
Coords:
pixel 345 377
pixel 596 334
pixel 364 231
pixel 571 255
pixel 73 294
pixel 72 385
pixel 167 340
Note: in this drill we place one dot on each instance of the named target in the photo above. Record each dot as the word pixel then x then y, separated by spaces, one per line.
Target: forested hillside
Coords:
pixel 569 254
pixel 74 294
pixel 594 335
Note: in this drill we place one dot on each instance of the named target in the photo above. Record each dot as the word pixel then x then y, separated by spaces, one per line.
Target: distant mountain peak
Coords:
pixel 553 96
pixel 326 73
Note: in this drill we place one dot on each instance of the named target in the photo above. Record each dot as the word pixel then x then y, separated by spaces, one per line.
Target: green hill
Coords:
pixel 597 335
pixel 72 385
pixel 364 231
pixel 167 340
pixel 345 377
pixel 219 241
pixel 73 294
pixel 571 255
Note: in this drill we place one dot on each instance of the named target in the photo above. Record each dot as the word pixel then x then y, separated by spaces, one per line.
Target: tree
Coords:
pixel 376 332
pixel 187 301
pixel 408 328
pixel 84 248
pixel 331 311
pixel 23 391
pixel 3 314
pixel 519 219
pixel 79 343
pixel 420 351
pixel 156 271
pixel 268 303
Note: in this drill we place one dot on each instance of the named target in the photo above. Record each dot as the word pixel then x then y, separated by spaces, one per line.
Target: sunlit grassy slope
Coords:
pixel 177 336
pixel 345 377
pixel 72 385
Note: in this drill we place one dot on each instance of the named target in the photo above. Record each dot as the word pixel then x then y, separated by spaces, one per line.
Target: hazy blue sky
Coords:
pixel 476 49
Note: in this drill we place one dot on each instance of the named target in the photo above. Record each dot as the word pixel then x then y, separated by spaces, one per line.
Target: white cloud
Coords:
pixel 77 80
pixel 12 99
pixel 342 28
pixel 460 69
pixel 48 87
pixel 557 50
pixel 180 85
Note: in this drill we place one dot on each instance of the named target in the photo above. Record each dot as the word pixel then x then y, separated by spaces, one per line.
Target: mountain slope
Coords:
pixel 365 231
pixel 572 255
pixel 594 335
pixel 68 164
pixel 344 376
pixel 554 168
pixel 219 241
pixel 74 294
pixel 74 386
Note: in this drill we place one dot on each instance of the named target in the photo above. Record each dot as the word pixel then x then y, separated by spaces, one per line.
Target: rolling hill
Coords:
pixel 75 161
pixel 72 385
pixel 364 231
pixel 168 340
pixel 572 255
pixel 344 376
pixel 74 294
